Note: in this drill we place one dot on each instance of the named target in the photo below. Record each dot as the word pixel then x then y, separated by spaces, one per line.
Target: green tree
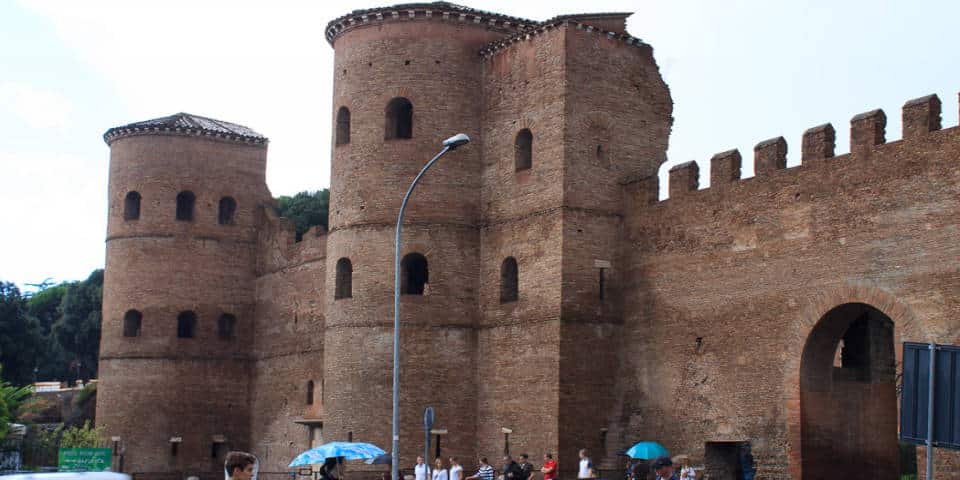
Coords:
pixel 78 328
pixel 305 209
pixel 19 336
pixel 10 399
pixel 82 437
pixel 43 307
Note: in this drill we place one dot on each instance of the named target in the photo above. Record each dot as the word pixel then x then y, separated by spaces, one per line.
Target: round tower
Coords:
pixel 406 77
pixel 178 291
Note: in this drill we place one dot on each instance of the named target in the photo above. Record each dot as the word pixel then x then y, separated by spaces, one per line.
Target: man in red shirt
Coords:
pixel 549 467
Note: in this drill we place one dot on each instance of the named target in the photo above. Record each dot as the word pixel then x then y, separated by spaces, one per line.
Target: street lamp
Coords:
pixel 449 144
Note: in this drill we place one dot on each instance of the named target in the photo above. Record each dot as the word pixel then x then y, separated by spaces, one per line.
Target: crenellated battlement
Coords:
pixel 278 247
pixel 921 116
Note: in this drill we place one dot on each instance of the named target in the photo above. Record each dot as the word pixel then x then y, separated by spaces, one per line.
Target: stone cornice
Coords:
pixel 437 11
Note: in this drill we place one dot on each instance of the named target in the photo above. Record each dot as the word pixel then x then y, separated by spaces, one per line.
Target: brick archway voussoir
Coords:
pixel 813 309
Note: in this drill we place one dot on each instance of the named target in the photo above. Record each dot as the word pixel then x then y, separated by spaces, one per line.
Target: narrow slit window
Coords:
pixel 509 285
pixel 603 284
pixel 310 392
pixel 343 126
pixel 344 280
pixel 523 150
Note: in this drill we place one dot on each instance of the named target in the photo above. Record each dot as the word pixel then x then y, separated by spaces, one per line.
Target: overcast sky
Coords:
pixel 740 71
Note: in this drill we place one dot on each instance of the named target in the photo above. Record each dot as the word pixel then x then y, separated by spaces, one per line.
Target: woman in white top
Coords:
pixel 439 473
pixel 456 470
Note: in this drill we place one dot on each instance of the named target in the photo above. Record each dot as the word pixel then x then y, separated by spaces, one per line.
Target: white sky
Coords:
pixel 740 71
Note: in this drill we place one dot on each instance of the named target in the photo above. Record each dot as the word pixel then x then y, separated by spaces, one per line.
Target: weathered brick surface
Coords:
pixel 157 386
pixel 730 283
pixel 712 324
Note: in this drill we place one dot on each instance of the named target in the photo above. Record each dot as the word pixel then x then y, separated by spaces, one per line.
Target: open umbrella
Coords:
pixel 647 451
pixel 385 459
pixel 347 450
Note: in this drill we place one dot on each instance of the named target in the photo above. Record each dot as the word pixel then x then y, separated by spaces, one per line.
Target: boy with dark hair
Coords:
pixel 526 468
pixel 239 465
pixel 663 467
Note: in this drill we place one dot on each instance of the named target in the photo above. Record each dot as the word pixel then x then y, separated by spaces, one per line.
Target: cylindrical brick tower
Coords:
pixel 406 77
pixel 178 291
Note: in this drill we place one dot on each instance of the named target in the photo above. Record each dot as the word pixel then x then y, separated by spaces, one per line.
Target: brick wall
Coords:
pixel 156 386
pixel 724 286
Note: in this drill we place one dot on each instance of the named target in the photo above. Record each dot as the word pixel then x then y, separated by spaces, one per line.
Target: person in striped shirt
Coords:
pixel 485 472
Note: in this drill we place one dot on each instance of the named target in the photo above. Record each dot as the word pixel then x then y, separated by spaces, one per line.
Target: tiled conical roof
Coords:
pixel 187 124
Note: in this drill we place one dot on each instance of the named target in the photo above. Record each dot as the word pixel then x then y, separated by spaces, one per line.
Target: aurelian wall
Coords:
pixel 727 289
pixel 154 385
pixel 288 348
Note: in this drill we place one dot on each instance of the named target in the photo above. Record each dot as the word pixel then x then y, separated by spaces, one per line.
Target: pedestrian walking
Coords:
pixel 421 471
pixel 663 467
pixel 549 468
pixel 526 468
pixel 586 465
pixel 511 470
pixel 439 473
pixel 240 466
pixel 485 472
pixel 456 470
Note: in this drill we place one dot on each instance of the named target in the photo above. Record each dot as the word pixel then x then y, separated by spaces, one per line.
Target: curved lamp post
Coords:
pixel 449 144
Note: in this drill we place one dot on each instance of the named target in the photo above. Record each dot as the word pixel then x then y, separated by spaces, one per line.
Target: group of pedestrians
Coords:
pixel 511 470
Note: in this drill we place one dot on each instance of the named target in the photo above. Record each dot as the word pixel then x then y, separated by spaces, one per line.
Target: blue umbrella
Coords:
pixel 647 451
pixel 347 450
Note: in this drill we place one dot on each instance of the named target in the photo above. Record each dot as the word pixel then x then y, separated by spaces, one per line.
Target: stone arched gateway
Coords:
pixel 841 406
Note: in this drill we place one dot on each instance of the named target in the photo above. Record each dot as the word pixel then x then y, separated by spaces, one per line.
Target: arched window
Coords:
pixel 131 323
pixel 186 324
pixel 227 326
pixel 344 286
pixel 509 285
pixel 185 201
pixel 131 206
pixel 399 119
pixel 310 392
pixel 228 206
pixel 523 150
pixel 343 126
pixel 414 274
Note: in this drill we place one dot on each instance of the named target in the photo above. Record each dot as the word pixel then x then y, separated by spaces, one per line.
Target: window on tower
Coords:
pixel 227 327
pixel 344 280
pixel 414 274
pixel 185 201
pixel 523 150
pixel 509 285
pixel 399 121
pixel 186 324
pixel 131 206
pixel 228 207
pixel 343 126
pixel 131 323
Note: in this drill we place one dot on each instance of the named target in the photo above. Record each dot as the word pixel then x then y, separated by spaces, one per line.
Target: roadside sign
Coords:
pixel 84 459
pixel 916 395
